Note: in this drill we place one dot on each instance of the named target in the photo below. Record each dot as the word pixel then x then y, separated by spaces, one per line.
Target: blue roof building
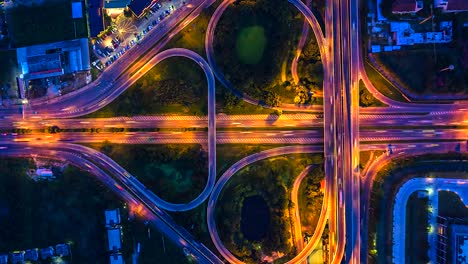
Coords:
pixel 31 254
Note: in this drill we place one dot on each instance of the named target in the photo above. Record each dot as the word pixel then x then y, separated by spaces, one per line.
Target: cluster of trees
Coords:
pixel 163 168
pixel 312 195
pixel 366 99
pixel 281 24
pixel 40 214
pixel 47 22
pixel 310 68
pixel 272 179
pixel 173 92
pixel 176 85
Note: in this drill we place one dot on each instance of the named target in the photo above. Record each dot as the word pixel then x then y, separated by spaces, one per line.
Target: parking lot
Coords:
pixel 128 32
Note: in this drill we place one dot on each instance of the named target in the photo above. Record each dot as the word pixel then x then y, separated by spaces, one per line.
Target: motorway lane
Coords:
pixel 456 118
pixel 298 238
pixel 353 182
pixel 155 216
pixel 302 41
pixel 236 137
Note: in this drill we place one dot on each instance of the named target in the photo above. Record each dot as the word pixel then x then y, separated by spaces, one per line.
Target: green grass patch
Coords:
pixel 420 70
pixel 364 157
pixel 193 35
pixel 48 22
pixel 175 172
pixel 366 99
pixel 250 44
pixel 228 154
pixel 382 85
pixel 176 86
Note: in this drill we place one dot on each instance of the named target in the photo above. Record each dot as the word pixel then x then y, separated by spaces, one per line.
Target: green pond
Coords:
pixel 250 44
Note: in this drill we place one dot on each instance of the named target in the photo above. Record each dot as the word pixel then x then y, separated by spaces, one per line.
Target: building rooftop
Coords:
pixel 457 5
pixel 114 239
pixel 53 59
pixel 77 10
pixel 108 4
pixel 31 254
pixel 62 250
pixel 403 34
pixel 116 259
pixel 95 18
pixel 17 257
pixel 47 252
pixel 406 6
pixel 112 217
pixel 138 6
pixel 4 259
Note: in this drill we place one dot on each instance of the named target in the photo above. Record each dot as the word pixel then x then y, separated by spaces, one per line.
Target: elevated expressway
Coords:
pixel 303 120
pixel 258 136
pixel 339 110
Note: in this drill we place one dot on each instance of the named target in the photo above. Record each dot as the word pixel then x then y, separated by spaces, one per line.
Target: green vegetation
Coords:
pixel 382 85
pixel 7 73
pixel 48 22
pixel 416 234
pixel 420 71
pixel 176 86
pixel 364 157
pixel 193 35
pixel 40 214
pixel 250 45
pixel 176 173
pixel 227 155
pixel 270 179
pixel 311 196
pixel 231 105
pixel 386 184
pixel 256 71
pixel 366 99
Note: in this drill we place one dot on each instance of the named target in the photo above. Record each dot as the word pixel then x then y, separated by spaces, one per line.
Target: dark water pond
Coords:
pixel 255 217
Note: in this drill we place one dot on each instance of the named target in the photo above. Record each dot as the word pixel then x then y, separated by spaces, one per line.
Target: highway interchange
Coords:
pixel 339 129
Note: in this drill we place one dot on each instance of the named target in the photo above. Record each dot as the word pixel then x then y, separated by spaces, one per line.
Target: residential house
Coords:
pixel 451 6
pixel 406 6
pixel 47 252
